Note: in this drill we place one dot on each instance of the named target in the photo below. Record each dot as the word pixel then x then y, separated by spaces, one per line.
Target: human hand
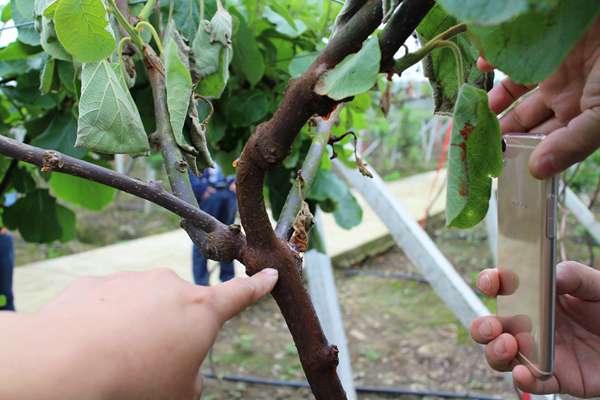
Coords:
pixel 133 335
pixel 577 351
pixel 566 106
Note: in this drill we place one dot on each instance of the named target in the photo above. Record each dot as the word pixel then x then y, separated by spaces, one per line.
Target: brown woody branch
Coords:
pixel 268 146
pixel 52 161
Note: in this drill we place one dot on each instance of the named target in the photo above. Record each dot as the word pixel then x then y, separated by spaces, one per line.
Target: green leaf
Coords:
pixel 109 121
pixel 35 217
pixel 17 51
pixel 83 29
pixel 45 8
pixel 82 192
pixel 3 300
pixel 49 41
pixel 179 85
pixel 440 65
pixel 246 108
pixel 329 190
pixel 22 180
pixel 6 13
pixel 355 74
pixel 67 76
pixel 22 15
pixel 206 53
pixel 283 25
pixel 47 76
pixel 67 221
pixel 486 12
pixel 301 62
pixel 186 14
pixel 474 157
pixel 60 135
pixel 348 213
pixel 214 84
pixel 247 57
pixel 532 46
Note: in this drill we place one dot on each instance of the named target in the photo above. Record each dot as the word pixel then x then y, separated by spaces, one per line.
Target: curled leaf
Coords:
pixel 179 85
pixel 206 53
pixel 221 26
pixel 109 121
pixel 301 227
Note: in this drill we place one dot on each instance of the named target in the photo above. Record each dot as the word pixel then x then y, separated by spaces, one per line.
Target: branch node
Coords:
pixel 51 161
pixel 182 166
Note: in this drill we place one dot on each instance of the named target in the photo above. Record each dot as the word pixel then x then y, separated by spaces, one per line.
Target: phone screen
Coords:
pixel 526 255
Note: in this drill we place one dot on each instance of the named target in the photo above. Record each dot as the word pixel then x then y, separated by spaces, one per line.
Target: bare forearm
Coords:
pixel 44 360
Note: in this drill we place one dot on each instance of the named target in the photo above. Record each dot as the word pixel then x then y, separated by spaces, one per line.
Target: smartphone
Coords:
pixel 527 212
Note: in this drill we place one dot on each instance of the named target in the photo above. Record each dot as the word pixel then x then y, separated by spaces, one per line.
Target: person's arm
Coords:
pixel 134 335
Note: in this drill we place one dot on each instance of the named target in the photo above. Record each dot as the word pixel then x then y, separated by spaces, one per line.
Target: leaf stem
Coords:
pixel 460 68
pixel 147 10
pixel 135 36
pixel 411 59
pixel 145 24
pixel 121 47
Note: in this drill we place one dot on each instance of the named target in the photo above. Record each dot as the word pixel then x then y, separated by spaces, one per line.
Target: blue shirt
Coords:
pixel 212 177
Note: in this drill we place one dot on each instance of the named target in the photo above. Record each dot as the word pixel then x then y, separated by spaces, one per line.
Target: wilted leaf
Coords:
pixel 221 26
pixel 85 193
pixel 532 46
pixel 109 121
pixel 355 74
pixel 83 29
pixel 474 157
pixel 214 84
pixel 179 85
pixel 206 54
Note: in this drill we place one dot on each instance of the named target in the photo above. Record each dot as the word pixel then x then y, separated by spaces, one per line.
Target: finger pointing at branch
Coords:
pixel 232 297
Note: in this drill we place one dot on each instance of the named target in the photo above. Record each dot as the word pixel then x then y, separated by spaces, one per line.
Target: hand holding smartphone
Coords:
pixel 526 255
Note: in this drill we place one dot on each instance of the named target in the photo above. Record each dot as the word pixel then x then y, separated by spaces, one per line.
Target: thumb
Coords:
pixel 231 297
pixel 578 280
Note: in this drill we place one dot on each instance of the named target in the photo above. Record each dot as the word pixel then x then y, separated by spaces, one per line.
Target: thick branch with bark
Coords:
pixel 268 146
pixel 229 238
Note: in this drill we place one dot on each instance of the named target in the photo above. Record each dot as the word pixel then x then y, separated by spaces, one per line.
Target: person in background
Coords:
pixel 7 264
pixel 216 196
pixel 7 261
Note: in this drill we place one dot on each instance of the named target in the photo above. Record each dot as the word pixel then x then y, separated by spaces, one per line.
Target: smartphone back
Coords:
pixel 526 255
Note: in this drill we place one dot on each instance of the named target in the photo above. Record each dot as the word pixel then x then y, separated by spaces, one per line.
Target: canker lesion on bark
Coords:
pixel 261 246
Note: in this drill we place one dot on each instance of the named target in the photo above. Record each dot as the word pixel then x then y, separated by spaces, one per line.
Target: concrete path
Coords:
pixel 35 284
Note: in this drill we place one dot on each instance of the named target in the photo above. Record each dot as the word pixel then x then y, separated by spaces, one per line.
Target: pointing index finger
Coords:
pixel 232 297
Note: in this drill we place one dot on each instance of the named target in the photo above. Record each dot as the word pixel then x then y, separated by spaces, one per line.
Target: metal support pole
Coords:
pixel 321 287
